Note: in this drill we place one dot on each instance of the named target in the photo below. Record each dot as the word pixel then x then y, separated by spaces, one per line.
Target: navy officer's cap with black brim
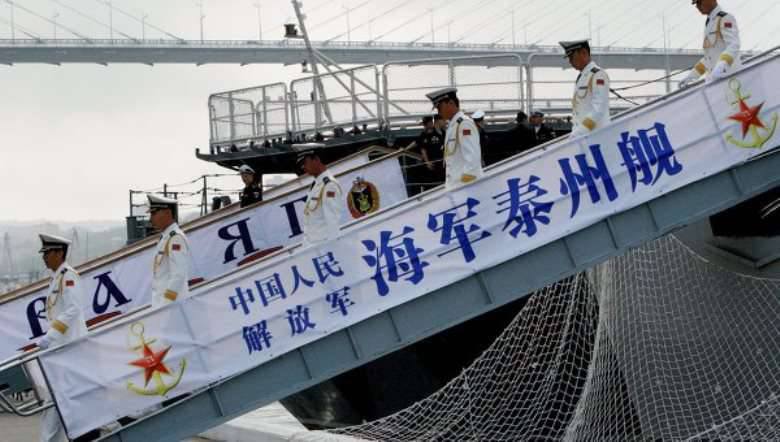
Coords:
pixel 157 202
pixel 437 97
pixel 52 242
pixel 306 150
pixel 570 46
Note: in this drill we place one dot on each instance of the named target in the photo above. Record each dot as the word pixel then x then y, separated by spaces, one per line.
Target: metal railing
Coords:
pixel 377 98
pixel 352 96
pixel 249 113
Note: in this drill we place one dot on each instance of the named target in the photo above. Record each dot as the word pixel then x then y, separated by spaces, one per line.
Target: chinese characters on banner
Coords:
pixel 396 256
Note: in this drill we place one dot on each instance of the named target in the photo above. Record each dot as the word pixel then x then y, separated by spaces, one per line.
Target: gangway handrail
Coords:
pixel 746 65
pixel 198 223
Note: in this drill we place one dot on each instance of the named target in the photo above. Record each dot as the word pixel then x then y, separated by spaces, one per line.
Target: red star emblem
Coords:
pixel 152 362
pixel 748 116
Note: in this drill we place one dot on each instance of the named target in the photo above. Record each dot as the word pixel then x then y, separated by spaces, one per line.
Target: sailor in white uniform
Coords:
pixel 721 44
pixel 64 304
pixel 462 149
pixel 171 266
pixel 324 202
pixel 590 104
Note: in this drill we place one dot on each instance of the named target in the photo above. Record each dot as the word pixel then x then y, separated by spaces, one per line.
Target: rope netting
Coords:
pixel 657 344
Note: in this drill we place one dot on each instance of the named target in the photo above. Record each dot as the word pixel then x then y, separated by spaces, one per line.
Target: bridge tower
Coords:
pixel 7 264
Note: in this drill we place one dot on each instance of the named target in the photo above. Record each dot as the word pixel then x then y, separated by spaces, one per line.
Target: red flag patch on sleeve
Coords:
pixel 176 247
pixel 600 82
pixel 728 24
pixel 69 283
pixel 331 194
pixel 466 132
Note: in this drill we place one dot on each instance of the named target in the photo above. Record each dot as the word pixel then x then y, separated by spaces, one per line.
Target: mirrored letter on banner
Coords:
pixel 112 291
pixel 292 216
pixel 243 236
pixel 36 310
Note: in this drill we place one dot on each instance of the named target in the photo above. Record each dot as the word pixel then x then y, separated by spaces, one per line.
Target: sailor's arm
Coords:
pixel 730 33
pixel 331 206
pixel 71 302
pixel 178 256
pixel 698 71
pixel 599 103
pixel 472 151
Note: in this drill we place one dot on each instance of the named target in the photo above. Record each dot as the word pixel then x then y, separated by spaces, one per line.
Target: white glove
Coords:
pixel 44 343
pixel 690 79
pixel 718 72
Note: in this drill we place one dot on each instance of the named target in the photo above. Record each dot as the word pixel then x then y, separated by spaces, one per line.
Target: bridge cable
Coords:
pixel 630 24
pixel 94 20
pixel 33 13
pixel 21 29
pixel 411 20
pixel 507 31
pixel 479 25
pixel 334 17
pixel 156 28
pixel 446 22
pixel 538 17
pixel 372 19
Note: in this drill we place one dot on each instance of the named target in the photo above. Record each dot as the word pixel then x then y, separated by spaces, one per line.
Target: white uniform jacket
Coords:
pixel 590 104
pixel 322 212
pixel 171 268
pixel 64 306
pixel 462 151
pixel 64 300
pixel 721 43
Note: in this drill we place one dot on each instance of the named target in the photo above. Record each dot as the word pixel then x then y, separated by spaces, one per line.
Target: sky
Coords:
pixel 74 139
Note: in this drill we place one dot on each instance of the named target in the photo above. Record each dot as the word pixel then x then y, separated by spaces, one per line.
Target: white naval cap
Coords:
pixel 570 46
pixel 437 97
pixel 306 150
pixel 157 202
pixel 478 115
pixel 52 242
pixel 246 169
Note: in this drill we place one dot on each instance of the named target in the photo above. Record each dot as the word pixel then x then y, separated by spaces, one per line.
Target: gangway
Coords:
pixel 705 162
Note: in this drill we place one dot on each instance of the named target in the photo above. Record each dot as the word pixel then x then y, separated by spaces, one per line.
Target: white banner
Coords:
pixel 219 246
pixel 247 318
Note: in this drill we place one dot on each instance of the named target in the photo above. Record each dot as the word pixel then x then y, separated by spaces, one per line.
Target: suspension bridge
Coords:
pixel 363 32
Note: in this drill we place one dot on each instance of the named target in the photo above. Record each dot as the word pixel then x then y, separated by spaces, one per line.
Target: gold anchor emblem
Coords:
pixel 749 117
pixel 152 363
